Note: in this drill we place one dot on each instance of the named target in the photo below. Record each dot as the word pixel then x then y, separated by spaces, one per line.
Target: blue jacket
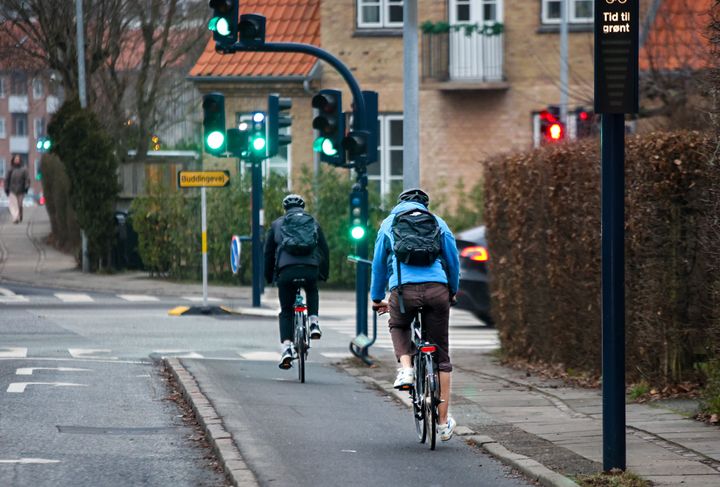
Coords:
pixel 384 273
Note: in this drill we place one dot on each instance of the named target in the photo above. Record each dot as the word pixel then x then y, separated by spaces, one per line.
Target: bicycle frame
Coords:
pixel 425 393
pixel 301 338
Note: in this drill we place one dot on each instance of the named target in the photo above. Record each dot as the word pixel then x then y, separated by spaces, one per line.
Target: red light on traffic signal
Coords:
pixel 584 116
pixel 555 131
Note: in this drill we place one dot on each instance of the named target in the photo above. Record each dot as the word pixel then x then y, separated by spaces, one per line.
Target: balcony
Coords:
pixel 20 143
pixel 18 104
pixel 460 60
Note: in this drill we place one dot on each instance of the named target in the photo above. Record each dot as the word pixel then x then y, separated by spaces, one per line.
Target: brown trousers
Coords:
pixel 434 298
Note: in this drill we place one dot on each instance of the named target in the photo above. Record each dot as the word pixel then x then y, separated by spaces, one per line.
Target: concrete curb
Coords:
pixel 236 470
pixel 531 468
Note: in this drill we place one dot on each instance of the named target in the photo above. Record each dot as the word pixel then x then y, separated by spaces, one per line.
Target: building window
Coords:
pixel 3 133
pixel 386 175
pixel 39 127
pixel 380 14
pixel 579 11
pixel 2 87
pixel 279 164
pixel 18 84
pixel 37 88
pixel 2 168
pixel 20 124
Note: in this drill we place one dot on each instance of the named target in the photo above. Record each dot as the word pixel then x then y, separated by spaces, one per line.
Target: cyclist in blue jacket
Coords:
pixel 431 287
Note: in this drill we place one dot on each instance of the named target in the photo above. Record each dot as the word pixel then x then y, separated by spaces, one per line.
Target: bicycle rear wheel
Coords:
pixel 416 397
pixel 300 345
pixel 431 399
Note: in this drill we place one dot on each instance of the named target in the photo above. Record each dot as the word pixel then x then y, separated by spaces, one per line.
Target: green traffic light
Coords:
pixel 215 140
pixel 258 143
pixel 46 145
pixel 328 148
pixel 357 232
pixel 222 27
pixel 212 25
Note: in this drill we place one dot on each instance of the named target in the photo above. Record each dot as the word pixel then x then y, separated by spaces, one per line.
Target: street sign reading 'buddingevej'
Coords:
pixel 616 56
pixel 203 179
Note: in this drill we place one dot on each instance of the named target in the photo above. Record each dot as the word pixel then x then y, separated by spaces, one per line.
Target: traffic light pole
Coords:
pixel 361 271
pixel 257 250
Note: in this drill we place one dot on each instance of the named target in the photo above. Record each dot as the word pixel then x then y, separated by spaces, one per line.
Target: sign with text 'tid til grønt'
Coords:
pixel 203 179
pixel 616 56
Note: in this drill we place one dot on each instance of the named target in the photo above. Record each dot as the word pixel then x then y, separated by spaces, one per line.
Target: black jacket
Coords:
pixel 319 258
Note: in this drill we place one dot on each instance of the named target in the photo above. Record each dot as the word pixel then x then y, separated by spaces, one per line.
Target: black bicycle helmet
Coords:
pixel 415 194
pixel 293 201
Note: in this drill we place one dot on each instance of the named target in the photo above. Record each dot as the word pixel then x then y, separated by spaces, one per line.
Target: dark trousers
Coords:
pixel 287 290
pixel 434 298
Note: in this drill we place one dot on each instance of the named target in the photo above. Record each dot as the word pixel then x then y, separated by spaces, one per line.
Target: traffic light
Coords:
pixel 155 142
pixel 584 123
pixel 214 123
pixel 252 30
pixel 330 123
pixel 237 140
pixel 551 129
pixel 358 213
pixel 258 135
pixel 224 22
pixel 355 145
pixel 360 146
pixel 43 144
pixel 276 120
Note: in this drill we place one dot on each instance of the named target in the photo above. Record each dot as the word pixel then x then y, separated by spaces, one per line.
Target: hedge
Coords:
pixel 543 215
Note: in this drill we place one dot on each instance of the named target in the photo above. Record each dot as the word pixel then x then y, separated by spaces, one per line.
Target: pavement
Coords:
pixel 545 428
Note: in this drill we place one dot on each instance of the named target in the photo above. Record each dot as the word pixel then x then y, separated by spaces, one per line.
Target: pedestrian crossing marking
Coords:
pixel 13 352
pixel 137 298
pixel 178 353
pixel 261 356
pixel 30 370
pixel 91 353
pixel 19 387
pixel 74 298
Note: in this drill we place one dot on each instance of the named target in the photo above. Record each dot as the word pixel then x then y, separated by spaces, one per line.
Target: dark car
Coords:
pixel 474 292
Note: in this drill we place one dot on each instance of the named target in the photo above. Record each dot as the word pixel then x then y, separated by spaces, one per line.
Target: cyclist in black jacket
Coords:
pixel 283 266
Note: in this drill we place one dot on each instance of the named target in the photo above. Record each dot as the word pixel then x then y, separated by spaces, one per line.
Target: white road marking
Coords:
pixel 261 356
pixel 336 354
pixel 90 353
pixel 198 299
pixel 30 461
pixel 74 298
pixel 178 353
pixel 137 298
pixel 6 292
pixel 7 296
pixel 18 387
pixel 30 370
pixel 13 352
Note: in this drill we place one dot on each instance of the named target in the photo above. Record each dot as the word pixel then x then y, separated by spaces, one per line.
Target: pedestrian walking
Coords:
pixel 17 183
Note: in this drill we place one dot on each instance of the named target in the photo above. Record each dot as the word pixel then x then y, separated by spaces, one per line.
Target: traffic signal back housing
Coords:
pixel 278 117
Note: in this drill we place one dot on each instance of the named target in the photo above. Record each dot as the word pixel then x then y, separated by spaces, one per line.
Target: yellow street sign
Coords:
pixel 207 179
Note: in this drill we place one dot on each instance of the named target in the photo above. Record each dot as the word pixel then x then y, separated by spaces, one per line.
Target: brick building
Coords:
pixel 28 98
pixel 479 84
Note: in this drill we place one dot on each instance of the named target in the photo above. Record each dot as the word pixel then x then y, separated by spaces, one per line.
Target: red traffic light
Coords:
pixel 555 131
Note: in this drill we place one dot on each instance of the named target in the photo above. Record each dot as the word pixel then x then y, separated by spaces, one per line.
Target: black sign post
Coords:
pixel 616 93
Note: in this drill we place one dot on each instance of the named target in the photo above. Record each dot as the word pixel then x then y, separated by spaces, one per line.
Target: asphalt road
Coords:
pixel 110 423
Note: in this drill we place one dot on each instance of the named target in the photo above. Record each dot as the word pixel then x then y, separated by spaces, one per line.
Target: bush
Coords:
pixel 65 231
pixel 543 214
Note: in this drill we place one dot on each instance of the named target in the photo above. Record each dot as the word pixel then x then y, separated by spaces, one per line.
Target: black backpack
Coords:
pixel 299 233
pixel 417 236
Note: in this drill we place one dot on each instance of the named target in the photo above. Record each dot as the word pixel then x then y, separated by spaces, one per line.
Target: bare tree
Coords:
pixel 134 48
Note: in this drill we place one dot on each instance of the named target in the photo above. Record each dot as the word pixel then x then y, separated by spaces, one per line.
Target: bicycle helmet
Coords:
pixel 293 201
pixel 415 194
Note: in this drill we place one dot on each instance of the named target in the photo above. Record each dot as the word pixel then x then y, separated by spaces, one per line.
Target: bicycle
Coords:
pixel 301 338
pixel 425 393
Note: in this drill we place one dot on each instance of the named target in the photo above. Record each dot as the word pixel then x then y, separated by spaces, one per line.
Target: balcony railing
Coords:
pixel 457 56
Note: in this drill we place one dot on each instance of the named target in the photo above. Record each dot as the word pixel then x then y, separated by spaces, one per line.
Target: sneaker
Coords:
pixel 286 358
pixel 315 331
pixel 446 430
pixel 405 378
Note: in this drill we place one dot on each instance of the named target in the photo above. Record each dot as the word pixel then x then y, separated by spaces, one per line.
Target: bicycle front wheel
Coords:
pixel 416 397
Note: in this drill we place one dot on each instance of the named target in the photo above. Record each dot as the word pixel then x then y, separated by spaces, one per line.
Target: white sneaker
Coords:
pixel 446 430
pixel 405 378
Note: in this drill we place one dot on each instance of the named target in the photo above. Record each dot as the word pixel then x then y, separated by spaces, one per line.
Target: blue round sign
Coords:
pixel 235 254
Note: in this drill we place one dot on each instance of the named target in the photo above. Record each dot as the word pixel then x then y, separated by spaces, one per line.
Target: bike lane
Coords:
pixel 332 429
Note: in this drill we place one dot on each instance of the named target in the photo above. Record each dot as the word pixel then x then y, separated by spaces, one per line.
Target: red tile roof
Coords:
pixel 287 21
pixel 678 38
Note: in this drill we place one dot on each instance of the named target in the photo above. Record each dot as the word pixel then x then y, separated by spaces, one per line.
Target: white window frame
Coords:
pixel 384 149
pixel 38 133
pixel 3 128
pixel 38 90
pixel 384 7
pixel 572 17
